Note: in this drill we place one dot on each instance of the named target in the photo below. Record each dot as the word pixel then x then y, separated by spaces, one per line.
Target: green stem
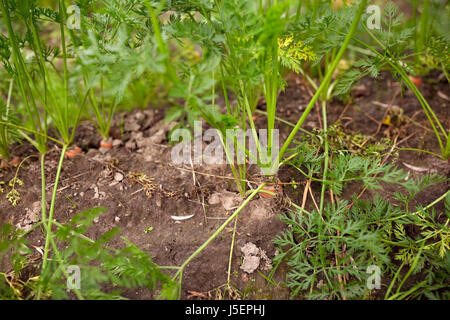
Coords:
pixel 391 285
pixel 4 140
pixel 325 170
pixel 237 178
pixel 413 266
pixel 218 231
pixel 47 227
pixel 66 77
pixel 403 295
pixel 36 133
pixel 299 10
pixel 421 210
pixel 231 252
pixel 423 23
pixel 52 207
pixel 43 207
pixel 252 124
pixel 43 196
pixel 420 150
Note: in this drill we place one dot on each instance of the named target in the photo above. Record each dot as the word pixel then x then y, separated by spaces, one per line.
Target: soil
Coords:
pixel 100 178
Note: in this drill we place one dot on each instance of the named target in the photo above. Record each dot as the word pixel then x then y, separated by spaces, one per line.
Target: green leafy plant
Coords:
pixel 13 251
pixel 190 51
pixel 314 251
pixel 101 267
pixel 328 254
pixel 328 251
pixel 431 39
pixel 388 51
pixel 426 253
pixel 37 94
pixel 113 50
pixel 255 53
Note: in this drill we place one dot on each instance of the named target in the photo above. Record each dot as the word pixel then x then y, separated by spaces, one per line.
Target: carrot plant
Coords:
pixel 255 52
pixel 329 250
pixel 332 58
pixel 369 232
pixel 388 50
pixel 54 103
pixel 45 92
pixel 431 40
pixel 113 48
pixel 240 49
pixel 261 54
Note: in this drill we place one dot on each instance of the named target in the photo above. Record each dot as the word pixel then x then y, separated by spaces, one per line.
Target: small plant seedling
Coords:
pixel 294 184
pixel 147 230
pixel 74 205
pixel 13 197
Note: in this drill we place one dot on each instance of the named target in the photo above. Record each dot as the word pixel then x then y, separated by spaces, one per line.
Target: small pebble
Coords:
pixel 131 145
pixel 117 143
pixel 103 150
pixel 139 116
pixel 118 177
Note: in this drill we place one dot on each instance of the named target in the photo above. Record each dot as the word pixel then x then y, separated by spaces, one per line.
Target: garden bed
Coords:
pixel 224 150
pixel 98 178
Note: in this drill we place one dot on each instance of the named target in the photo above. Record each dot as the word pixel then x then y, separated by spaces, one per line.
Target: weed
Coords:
pixel 149 229
pixel 147 183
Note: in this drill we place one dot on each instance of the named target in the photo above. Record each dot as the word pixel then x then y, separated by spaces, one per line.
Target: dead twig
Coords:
pixel 344 111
